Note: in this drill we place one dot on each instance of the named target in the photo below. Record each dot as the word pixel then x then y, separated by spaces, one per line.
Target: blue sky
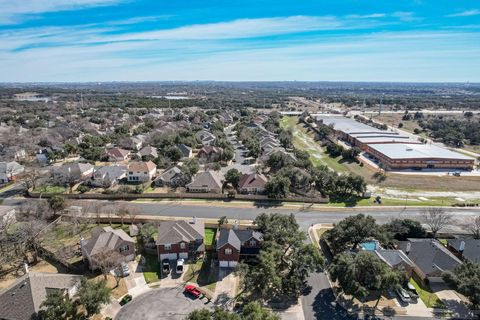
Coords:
pixel 312 40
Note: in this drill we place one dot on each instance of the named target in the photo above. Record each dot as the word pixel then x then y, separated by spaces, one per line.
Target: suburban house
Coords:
pixel 7 215
pixel 73 171
pixel 396 259
pixel 187 152
pixel 252 183
pixel 107 241
pixel 10 170
pixel 208 181
pixel 141 171
pixel 431 258
pixel 206 137
pixel 233 245
pixel 173 177
pixel 210 154
pixel 22 299
pixel 180 239
pixel 131 143
pixel 465 249
pixel 107 176
pixel 148 153
pixel 117 154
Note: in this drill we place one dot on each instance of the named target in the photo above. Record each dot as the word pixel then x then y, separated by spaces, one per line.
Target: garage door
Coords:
pixel 223 264
pixel 232 264
pixel 183 255
pixel 169 256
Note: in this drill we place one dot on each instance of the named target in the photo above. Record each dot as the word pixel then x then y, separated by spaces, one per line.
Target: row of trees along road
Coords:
pixel 361 273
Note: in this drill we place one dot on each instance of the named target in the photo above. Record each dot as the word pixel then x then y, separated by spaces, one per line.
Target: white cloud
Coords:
pixel 405 16
pixel 14 11
pixel 467 13
pixel 366 16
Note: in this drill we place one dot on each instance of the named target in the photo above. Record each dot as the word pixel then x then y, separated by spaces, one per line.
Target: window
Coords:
pixel 167 246
pixel 228 251
pixel 131 172
pixel 253 243
pixel 124 248
pixel 182 245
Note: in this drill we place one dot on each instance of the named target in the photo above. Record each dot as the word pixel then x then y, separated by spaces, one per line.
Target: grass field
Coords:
pixel 51 189
pixel 210 236
pixel 304 140
pixel 428 297
pixel 151 269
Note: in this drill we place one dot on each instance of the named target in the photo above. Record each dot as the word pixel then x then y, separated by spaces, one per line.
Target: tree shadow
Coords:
pixel 349 201
pixel 326 307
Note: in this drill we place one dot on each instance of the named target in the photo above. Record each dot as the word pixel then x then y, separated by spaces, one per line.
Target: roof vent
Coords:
pixel 409 149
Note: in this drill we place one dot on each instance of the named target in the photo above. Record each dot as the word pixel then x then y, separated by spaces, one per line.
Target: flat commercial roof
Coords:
pixel 348 125
pixel 387 139
pixel 416 151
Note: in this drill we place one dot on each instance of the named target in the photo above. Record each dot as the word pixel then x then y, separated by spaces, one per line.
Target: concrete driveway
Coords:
pixel 164 303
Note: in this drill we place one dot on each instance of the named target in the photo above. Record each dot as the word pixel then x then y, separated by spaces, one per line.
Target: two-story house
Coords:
pixel 141 171
pixel 117 154
pixel 180 239
pixel 107 240
pixel 233 245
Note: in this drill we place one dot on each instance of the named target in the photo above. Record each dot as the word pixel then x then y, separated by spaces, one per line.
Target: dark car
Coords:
pixel 165 266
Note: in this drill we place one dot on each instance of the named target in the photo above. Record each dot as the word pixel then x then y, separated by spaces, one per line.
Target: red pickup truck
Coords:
pixel 193 291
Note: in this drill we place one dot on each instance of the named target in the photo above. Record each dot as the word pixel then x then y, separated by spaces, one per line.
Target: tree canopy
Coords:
pixel 252 311
pixel 465 278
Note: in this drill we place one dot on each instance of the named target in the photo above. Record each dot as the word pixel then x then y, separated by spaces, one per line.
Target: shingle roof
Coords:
pixel 210 179
pixel 148 151
pixel 430 255
pixel 176 231
pixel 236 237
pixel 393 257
pixel 471 250
pixel 23 298
pixel 142 166
pixel 184 149
pixel 104 239
pixel 252 180
pixel 118 152
pixel 169 174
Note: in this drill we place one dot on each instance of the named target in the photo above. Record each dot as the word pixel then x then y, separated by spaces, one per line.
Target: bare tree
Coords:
pixel 30 179
pixel 436 218
pixel 122 211
pixel 132 214
pixel 474 227
pixel 107 261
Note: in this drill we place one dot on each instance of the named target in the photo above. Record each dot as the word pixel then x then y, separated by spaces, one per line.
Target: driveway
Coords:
pixel 450 298
pixel 164 303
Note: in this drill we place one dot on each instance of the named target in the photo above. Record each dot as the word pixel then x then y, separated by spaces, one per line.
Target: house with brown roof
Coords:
pixel 180 239
pixel 233 245
pixel 117 154
pixel 23 298
pixel 210 154
pixel 252 183
pixel 148 153
pixel 107 240
pixel 141 171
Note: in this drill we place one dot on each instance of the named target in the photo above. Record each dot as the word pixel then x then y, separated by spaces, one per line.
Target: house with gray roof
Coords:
pixel 465 249
pixel 234 244
pixel 396 259
pixel 187 152
pixel 431 258
pixel 173 178
pixel 108 176
pixel 23 298
pixel 106 240
pixel 180 239
pixel 207 182
pixel 148 153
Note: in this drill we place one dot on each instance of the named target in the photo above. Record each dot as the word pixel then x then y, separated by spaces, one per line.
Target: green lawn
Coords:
pixel 151 269
pixel 428 297
pixel 210 236
pixel 203 272
pixel 51 189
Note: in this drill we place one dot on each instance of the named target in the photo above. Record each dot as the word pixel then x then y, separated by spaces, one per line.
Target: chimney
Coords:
pixel 235 225
pixel 25 268
pixel 194 220
pixel 462 247
pixel 409 246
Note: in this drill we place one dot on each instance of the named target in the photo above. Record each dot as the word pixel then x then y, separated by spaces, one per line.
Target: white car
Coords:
pixel 179 268
pixel 125 269
pixel 403 295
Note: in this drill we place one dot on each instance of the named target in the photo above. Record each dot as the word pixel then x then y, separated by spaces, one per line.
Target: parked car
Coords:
pixel 412 291
pixel 125 269
pixel 166 266
pixel 403 295
pixel 126 299
pixel 193 291
pixel 179 268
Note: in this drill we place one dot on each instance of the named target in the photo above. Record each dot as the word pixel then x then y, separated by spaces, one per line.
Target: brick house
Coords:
pixel 180 239
pixel 107 240
pixel 233 245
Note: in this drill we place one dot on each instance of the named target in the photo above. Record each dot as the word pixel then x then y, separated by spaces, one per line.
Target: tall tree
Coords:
pixel 57 306
pixel 56 203
pixel 465 279
pixel 350 232
pixel 233 176
pixel 474 227
pixel 436 219
pixel 405 228
pixel 92 295
pixel 251 311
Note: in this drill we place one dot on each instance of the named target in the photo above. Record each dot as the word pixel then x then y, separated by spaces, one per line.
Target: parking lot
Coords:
pixel 165 303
